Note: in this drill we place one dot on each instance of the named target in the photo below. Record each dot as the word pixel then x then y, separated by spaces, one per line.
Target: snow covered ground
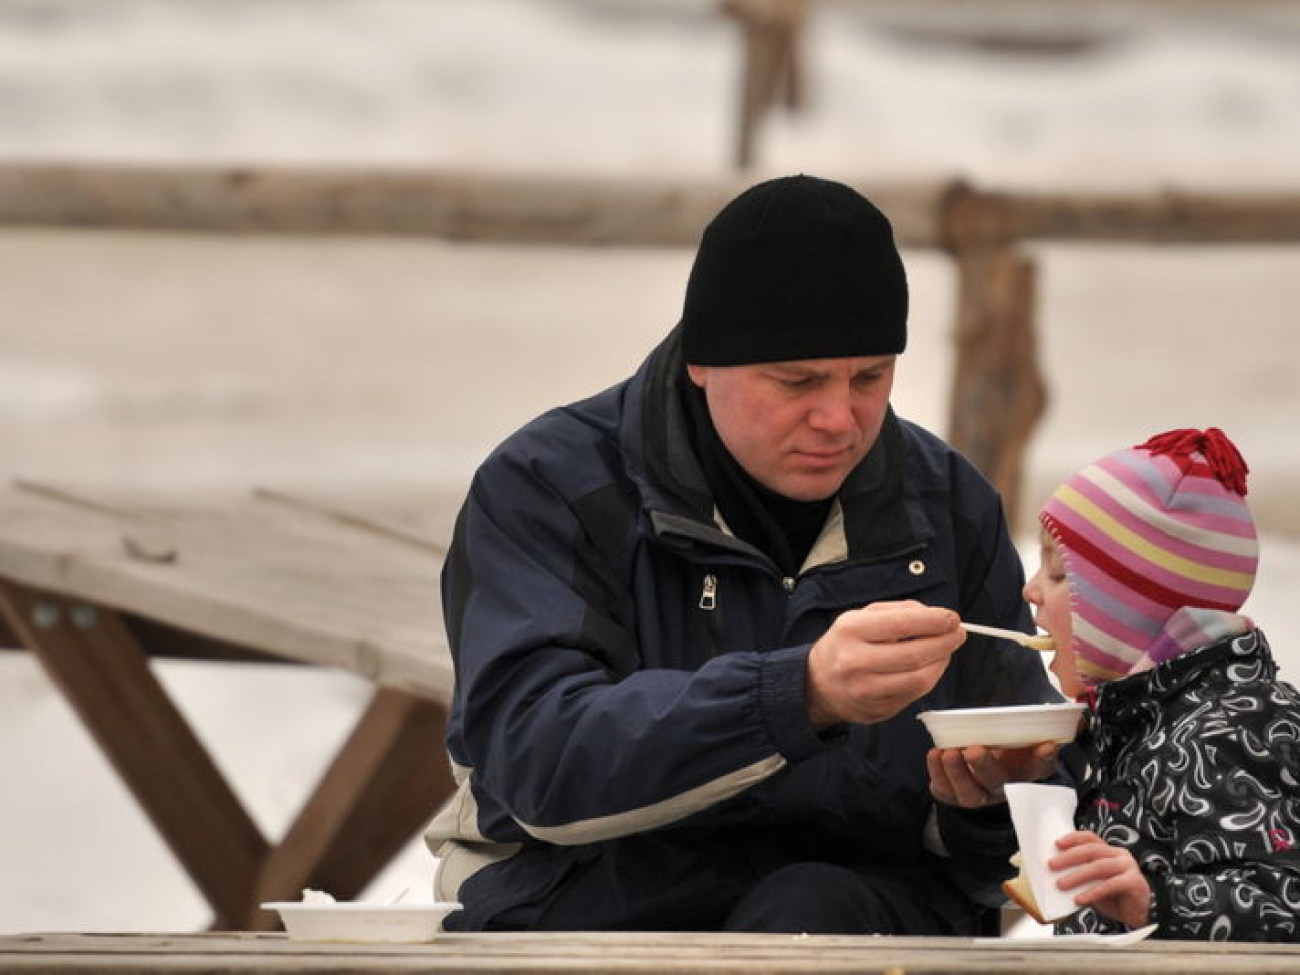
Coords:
pixel 201 362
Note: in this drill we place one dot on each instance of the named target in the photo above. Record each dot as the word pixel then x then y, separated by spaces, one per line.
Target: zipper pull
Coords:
pixel 709 595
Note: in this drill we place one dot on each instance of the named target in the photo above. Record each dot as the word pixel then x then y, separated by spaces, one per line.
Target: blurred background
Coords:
pixel 194 363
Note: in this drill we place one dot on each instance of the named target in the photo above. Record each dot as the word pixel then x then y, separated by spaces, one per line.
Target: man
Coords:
pixel 695 616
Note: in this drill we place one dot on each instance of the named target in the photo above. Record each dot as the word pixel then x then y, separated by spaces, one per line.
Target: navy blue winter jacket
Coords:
pixel 629 727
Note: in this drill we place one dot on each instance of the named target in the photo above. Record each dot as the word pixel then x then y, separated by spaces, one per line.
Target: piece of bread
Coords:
pixel 1017 888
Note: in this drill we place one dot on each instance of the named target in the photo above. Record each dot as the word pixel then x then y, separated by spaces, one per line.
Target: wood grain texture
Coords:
pixel 631 954
pixel 272 577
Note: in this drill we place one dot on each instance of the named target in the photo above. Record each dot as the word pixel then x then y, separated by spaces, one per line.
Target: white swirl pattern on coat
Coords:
pixel 1193 766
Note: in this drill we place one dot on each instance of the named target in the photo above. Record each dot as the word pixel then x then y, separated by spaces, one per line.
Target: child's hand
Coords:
pixel 1120 891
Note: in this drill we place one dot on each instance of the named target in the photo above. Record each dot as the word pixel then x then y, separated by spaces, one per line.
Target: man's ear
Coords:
pixel 699 375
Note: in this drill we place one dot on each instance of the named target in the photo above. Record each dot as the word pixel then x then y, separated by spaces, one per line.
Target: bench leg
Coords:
pixel 105 675
pixel 381 788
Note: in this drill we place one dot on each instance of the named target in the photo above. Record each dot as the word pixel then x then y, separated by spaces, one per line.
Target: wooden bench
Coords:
pixel 95 584
pixel 593 953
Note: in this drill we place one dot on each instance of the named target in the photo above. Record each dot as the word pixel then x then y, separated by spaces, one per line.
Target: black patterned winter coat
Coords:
pixel 1194 766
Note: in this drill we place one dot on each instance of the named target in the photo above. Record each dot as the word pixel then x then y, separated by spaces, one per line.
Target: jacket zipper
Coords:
pixel 709 604
pixel 709 595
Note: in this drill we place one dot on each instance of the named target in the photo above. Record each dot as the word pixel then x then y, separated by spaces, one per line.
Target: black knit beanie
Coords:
pixel 795 268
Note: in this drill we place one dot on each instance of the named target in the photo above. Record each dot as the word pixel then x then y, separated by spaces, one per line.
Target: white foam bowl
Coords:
pixel 1008 727
pixel 357 921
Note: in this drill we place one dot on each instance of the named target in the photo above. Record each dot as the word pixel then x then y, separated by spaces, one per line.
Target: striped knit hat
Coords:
pixel 1145 532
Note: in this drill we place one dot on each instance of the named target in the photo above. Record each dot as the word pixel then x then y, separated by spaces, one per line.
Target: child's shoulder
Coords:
pixel 1248 719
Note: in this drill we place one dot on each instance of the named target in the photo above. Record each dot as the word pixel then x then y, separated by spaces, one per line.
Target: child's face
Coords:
pixel 1049 593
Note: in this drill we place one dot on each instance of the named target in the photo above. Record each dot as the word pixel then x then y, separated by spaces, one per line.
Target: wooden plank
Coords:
pixel 383 786
pixel 261 576
pixel 75 498
pixel 574 211
pixel 106 677
pixel 976 217
pixel 669 953
pixel 586 211
pixel 348 515
pixel 1171 216
pixel 161 640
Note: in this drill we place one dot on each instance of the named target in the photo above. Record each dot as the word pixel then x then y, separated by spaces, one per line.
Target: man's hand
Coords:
pixel 875 661
pixel 1120 890
pixel 974 777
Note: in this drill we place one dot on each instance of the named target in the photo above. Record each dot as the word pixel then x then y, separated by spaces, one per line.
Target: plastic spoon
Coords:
pixel 1042 642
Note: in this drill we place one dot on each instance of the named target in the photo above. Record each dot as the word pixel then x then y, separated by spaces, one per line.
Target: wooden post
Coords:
pixel 998 393
pixel 772 69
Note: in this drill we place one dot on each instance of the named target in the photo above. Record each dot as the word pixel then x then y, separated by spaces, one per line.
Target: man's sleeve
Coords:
pixel 555 714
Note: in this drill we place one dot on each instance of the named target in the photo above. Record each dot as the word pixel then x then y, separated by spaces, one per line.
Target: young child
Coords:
pixel 1189 804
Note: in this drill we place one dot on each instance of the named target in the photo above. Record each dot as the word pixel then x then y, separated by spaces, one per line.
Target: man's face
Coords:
pixel 799 427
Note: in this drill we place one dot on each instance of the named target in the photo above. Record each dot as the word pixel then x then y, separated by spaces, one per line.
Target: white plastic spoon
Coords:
pixel 1042 642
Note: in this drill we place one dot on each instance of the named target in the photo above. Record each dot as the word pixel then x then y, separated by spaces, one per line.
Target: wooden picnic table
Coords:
pixel 95 583
pixel 591 953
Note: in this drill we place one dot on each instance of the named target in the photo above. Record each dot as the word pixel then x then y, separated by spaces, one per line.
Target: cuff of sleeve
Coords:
pixel 783 704
pixel 1158 905
pixel 996 816
pixel 985 834
pixel 991 824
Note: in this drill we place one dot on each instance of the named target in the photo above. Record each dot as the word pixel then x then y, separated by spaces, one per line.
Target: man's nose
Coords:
pixel 833 411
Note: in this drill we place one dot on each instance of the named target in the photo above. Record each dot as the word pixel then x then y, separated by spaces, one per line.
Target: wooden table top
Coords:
pixel 669 953
pixel 95 583
pixel 338 583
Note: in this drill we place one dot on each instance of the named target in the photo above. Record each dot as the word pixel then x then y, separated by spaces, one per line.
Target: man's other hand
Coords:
pixel 974 777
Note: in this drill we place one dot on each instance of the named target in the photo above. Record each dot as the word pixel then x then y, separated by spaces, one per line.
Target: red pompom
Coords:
pixel 1220 454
